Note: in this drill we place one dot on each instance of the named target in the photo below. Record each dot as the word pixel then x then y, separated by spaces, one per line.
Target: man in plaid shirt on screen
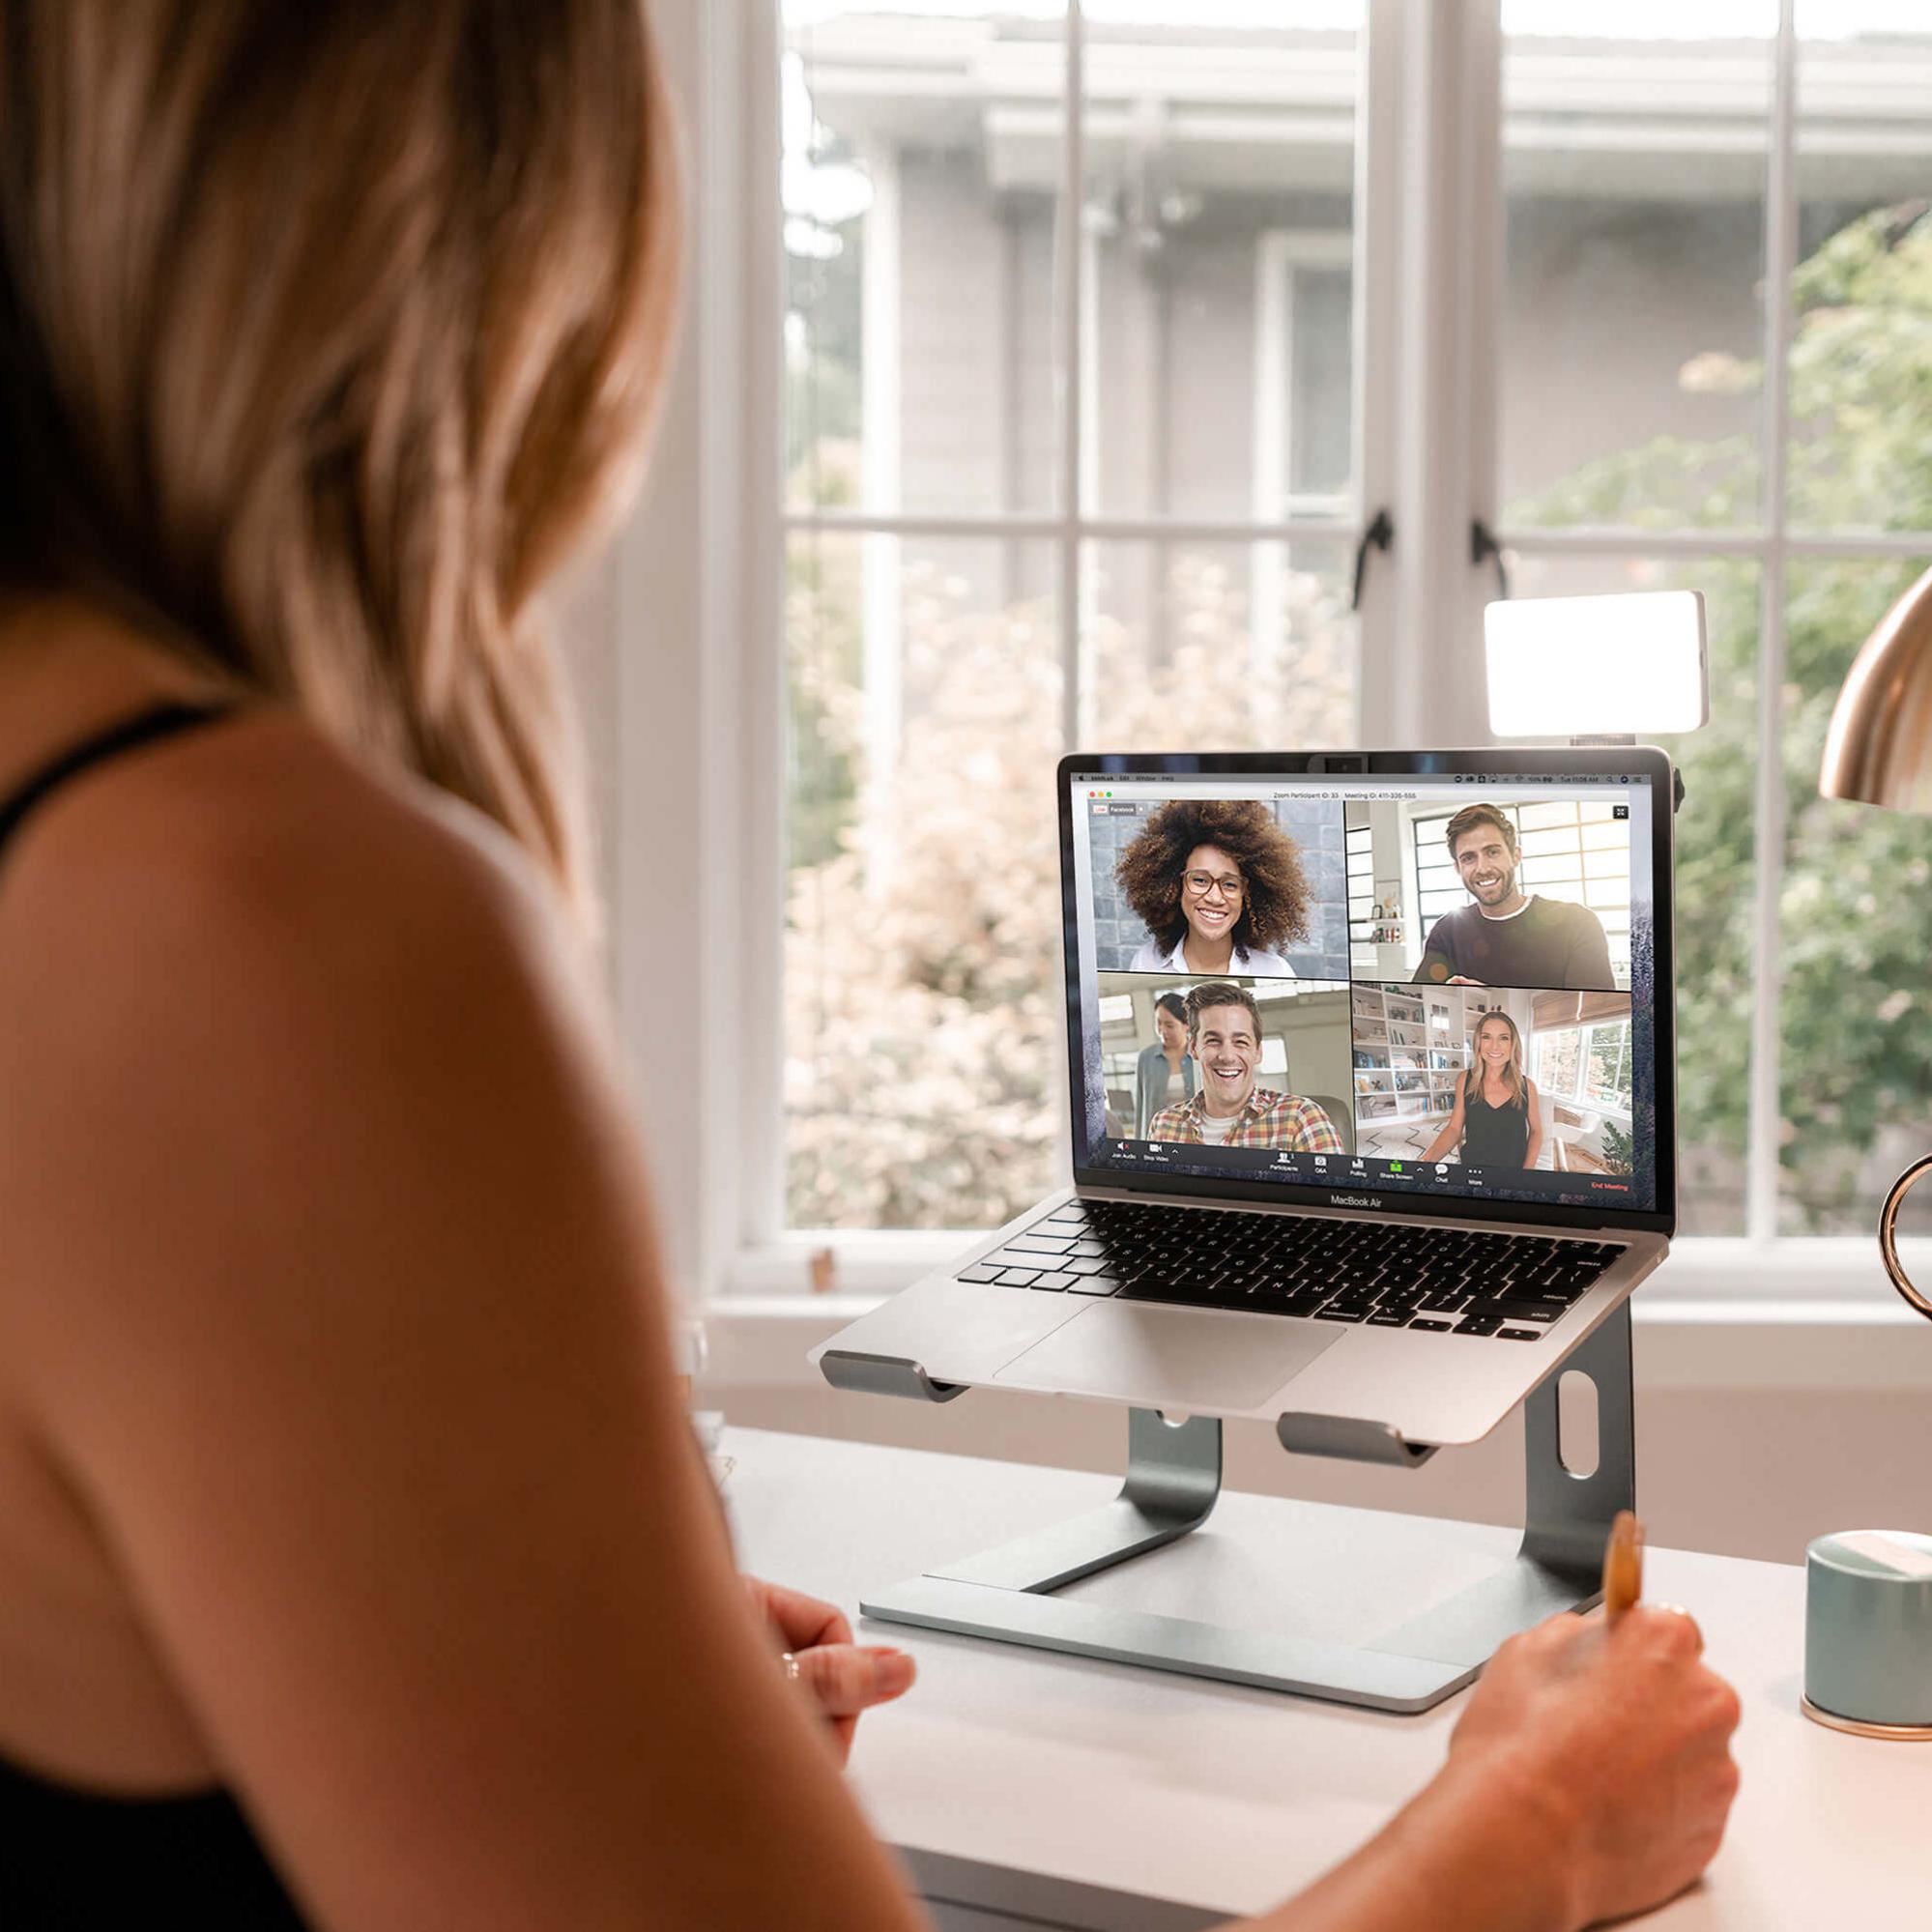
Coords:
pixel 1225 1038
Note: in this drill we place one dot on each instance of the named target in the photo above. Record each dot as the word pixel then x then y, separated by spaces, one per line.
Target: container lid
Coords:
pixel 1887 1556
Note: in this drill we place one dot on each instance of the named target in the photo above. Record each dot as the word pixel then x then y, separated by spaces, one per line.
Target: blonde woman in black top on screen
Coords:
pixel 1494 1122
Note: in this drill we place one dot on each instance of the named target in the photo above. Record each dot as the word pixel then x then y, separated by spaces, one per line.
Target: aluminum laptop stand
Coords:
pixel 1173 1479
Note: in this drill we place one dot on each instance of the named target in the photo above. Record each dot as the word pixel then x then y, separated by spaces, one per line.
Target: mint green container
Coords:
pixel 1868 1632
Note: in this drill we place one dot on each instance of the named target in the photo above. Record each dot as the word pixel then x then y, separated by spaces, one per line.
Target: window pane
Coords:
pixel 922 1021
pixel 1217 647
pixel 1555 1058
pixel 921 165
pixel 1716 971
pixel 1633 165
pixel 1194 647
pixel 1854 1011
pixel 1861 343
pixel 1220 146
pixel 1606 1071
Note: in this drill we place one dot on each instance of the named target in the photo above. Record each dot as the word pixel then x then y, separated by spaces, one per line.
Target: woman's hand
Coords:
pixel 1617 1738
pixel 843 1678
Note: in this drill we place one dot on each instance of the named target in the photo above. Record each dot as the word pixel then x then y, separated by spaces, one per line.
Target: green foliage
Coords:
pixel 1856 912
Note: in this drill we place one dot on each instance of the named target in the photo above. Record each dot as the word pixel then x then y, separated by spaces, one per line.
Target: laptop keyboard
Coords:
pixel 1385 1275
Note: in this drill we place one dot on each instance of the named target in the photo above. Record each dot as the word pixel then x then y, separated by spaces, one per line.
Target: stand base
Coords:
pixel 1173 1479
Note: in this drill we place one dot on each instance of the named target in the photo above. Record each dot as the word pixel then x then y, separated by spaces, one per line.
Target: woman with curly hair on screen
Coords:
pixel 1219 885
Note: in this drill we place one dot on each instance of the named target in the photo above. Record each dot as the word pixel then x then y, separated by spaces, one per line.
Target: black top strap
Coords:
pixel 161 721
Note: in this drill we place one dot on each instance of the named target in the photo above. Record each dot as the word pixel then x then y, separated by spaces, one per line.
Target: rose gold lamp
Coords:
pixel 1879 752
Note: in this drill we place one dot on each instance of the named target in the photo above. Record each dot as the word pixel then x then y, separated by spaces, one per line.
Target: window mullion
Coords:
pixel 1761 1194
pixel 1449 218
pixel 1377 348
pixel 1069 264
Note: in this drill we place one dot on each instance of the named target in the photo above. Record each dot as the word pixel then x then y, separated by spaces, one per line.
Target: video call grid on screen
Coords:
pixel 1381 972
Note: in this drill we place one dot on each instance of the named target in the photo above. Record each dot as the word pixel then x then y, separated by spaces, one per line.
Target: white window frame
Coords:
pixel 1278 253
pixel 699 605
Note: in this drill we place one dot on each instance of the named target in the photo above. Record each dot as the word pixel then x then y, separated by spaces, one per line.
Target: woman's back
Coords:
pixel 339 1459
pixel 82 1692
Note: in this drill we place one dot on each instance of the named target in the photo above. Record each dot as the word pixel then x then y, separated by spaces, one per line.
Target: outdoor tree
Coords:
pixel 1855 912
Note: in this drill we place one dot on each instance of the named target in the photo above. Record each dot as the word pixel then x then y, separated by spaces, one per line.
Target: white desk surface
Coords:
pixel 1031 1769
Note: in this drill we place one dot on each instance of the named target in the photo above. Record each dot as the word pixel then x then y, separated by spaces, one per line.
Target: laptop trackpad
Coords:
pixel 1170 1358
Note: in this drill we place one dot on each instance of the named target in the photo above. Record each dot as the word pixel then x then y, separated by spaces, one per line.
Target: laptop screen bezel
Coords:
pixel 1644 761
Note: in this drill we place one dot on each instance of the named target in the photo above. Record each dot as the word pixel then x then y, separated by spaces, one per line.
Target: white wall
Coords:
pixel 1320 1060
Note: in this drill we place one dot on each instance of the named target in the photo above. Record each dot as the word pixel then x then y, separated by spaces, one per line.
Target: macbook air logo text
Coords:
pixel 1355 1200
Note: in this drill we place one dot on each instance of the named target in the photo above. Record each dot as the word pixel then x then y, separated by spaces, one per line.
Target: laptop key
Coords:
pixel 1341 1314
pixel 1432 1321
pixel 1384 1317
pixel 1477 1324
pixel 1297 1305
pixel 1019 1277
pixel 1054 1281
pixel 1042 1244
pixel 1019 1257
pixel 1083 1264
pixel 980 1271
pixel 1519 1334
pixel 1092 1285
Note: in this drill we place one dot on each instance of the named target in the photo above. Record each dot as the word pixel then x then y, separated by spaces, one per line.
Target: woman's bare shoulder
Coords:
pixel 332 1293
pixel 240 953
pixel 251 857
pixel 255 813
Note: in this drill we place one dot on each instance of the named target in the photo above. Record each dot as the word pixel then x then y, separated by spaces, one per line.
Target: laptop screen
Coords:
pixel 1425 982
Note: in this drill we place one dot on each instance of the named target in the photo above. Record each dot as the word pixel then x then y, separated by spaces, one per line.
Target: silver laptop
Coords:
pixel 1372 1110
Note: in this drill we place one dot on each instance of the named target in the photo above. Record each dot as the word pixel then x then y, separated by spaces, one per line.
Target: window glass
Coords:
pixel 1606 1066
pixel 1855 1069
pixel 1556 1059
pixel 1862 296
pixel 1218 219
pixel 1204 646
pixel 1634 149
pixel 920 181
pixel 922 1026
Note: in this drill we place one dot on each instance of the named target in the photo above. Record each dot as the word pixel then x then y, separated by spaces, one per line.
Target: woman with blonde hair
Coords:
pixel 355 1567
pixel 1494 1122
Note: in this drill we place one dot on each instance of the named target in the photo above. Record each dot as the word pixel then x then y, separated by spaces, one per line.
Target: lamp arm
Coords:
pixel 1887 1227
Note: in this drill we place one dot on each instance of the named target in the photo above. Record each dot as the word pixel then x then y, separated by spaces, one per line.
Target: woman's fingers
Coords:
pixel 802 1620
pixel 846 1679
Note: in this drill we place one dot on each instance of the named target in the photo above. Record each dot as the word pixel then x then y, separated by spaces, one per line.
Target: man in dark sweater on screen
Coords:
pixel 1506 937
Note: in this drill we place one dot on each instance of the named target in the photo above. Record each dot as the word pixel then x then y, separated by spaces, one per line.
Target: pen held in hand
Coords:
pixel 1623 1566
